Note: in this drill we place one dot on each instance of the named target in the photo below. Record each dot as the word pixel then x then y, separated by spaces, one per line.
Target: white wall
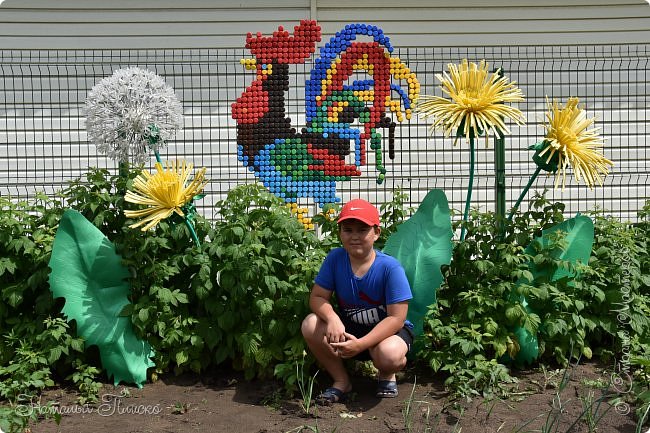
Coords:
pixel 42 134
pixel 39 24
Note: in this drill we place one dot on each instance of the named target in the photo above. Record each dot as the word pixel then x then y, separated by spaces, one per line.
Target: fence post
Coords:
pixel 500 175
pixel 500 171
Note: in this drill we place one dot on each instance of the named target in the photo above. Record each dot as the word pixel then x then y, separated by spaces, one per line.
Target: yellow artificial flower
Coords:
pixel 164 192
pixel 477 101
pixel 570 140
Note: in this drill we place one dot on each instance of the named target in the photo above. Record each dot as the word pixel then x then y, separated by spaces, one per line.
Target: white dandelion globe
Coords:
pixel 131 111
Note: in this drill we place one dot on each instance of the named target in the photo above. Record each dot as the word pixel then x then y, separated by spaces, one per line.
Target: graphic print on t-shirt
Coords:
pixel 368 312
pixel 365 315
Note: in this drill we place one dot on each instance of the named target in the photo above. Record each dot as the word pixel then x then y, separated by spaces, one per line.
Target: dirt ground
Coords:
pixel 224 402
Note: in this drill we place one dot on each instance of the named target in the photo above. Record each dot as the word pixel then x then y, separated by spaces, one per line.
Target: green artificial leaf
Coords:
pixel 579 241
pixel 544 162
pixel 88 273
pixel 422 244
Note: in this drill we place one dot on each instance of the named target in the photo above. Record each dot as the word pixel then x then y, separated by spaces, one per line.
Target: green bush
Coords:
pixel 239 298
pixel 469 333
pixel 26 235
pixel 639 355
pixel 470 330
pixel 36 342
pixel 263 265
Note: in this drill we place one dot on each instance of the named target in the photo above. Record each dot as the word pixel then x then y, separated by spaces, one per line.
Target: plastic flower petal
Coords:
pixel 130 110
pixel 165 192
pixel 570 142
pixel 476 104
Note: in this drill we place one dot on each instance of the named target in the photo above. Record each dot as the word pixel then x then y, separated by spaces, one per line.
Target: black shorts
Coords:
pixel 359 331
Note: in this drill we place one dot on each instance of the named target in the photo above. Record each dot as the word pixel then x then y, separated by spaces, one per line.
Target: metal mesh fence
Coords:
pixel 43 142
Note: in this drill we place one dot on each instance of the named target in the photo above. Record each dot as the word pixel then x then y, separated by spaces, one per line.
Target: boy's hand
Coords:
pixel 348 348
pixel 335 332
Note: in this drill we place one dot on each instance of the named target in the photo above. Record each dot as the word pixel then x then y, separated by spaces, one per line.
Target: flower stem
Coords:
pixel 192 232
pixel 470 186
pixel 123 170
pixel 524 192
pixel 157 156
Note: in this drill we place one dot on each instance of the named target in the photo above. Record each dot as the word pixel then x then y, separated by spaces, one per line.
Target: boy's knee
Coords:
pixel 308 327
pixel 389 356
pixel 389 363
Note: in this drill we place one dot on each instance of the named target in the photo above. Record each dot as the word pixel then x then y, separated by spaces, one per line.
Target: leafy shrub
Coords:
pixel 152 257
pixel 640 343
pixel 264 263
pixel 469 333
pixel 26 235
pixel 617 270
pixel 471 327
pixel 239 298
pixel 31 341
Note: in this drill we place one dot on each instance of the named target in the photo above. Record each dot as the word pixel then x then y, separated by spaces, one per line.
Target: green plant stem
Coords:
pixel 123 170
pixel 524 192
pixel 192 232
pixel 469 187
pixel 642 420
pixel 157 156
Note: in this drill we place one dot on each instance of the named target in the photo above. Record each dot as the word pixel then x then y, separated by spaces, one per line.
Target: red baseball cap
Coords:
pixel 361 210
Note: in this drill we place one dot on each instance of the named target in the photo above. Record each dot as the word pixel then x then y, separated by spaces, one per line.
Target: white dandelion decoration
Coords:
pixel 131 111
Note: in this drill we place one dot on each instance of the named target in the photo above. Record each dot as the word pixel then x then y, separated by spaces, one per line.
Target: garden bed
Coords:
pixel 223 401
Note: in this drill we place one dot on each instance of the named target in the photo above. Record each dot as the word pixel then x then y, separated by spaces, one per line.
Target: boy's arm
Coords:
pixel 384 329
pixel 390 325
pixel 319 302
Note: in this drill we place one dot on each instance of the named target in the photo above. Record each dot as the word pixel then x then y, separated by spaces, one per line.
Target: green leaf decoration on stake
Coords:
pixel 545 163
pixel 422 244
pixel 549 164
pixel 88 273
pixel 579 241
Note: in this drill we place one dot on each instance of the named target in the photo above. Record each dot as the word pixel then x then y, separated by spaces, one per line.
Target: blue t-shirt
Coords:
pixel 363 300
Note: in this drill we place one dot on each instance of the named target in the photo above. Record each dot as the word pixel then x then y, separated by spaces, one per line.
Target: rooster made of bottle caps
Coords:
pixel 351 96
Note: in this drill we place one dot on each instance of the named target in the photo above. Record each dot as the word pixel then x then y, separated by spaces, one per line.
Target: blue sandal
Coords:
pixel 386 389
pixel 331 396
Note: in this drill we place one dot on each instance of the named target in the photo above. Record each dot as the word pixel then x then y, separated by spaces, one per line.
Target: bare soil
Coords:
pixel 224 402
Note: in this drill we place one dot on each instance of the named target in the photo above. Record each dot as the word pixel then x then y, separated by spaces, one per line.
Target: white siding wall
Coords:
pixel 31 133
pixel 222 23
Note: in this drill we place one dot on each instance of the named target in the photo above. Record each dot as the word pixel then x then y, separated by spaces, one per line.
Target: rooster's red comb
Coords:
pixel 285 49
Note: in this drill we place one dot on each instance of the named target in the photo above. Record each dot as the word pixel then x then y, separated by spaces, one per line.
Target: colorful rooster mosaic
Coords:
pixel 343 114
